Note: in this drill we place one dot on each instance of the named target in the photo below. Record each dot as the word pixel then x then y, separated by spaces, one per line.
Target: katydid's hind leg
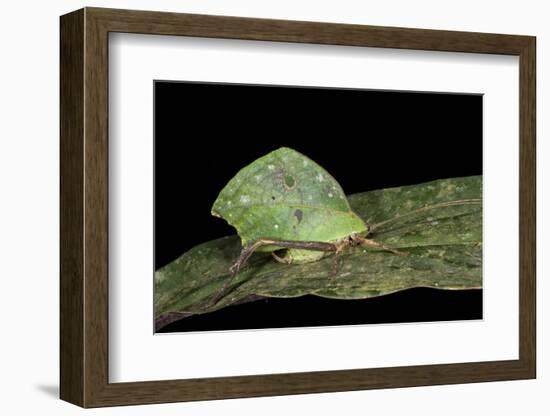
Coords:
pixel 245 255
pixel 248 251
pixel 302 245
pixel 373 243
pixel 234 269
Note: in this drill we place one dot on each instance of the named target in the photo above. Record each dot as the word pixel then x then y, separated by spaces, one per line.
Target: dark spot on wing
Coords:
pixel 299 215
pixel 289 181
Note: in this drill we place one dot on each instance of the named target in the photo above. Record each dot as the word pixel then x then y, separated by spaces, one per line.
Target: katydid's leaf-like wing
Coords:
pixel 286 196
pixel 445 245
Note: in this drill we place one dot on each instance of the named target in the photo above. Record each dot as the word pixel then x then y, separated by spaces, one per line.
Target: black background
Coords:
pixel 205 133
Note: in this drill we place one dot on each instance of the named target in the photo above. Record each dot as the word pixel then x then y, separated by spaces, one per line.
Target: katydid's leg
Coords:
pixel 339 248
pixel 336 264
pixel 248 251
pixel 304 245
pixel 372 243
pixel 280 259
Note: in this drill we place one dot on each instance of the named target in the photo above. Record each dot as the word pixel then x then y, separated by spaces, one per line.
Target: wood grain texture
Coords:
pixel 527 208
pixel 84 207
pixel 71 99
pixel 96 213
pixel 162 23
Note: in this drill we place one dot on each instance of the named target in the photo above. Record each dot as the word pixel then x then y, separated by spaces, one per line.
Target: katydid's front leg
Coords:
pixel 281 260
pixel 248 251
pixel 358 240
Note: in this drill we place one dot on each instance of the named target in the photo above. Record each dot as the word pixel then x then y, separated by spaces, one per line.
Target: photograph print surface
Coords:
pixel 285 206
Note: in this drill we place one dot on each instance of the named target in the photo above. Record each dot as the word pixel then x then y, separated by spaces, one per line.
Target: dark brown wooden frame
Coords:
pixel 84 214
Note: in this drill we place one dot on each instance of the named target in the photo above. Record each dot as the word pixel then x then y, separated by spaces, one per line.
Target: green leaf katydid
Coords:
pixel 284 200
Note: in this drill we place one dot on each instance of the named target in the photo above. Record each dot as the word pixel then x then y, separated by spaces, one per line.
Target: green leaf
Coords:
pixel 444 242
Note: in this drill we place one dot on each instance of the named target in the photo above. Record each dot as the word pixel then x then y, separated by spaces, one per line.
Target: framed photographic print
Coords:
pixel 255 207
